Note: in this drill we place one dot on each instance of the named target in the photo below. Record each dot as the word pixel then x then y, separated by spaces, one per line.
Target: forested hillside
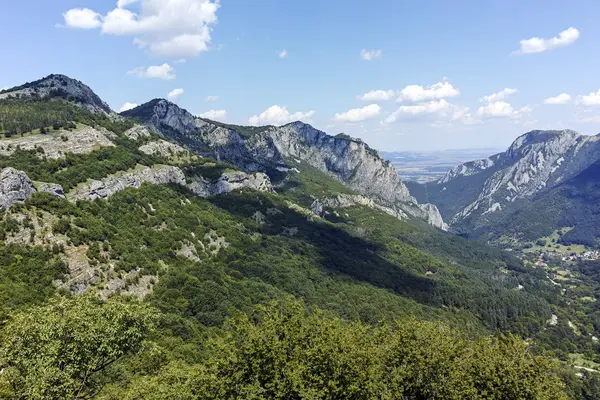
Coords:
pixel 132 267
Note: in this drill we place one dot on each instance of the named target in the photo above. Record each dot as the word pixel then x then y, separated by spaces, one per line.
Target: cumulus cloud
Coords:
pixel 358 114
pixel 127 106
pixel 175 94
pixel 277 115
pixel 417 93
pixel 562 98
pixel 496 107
pixel 377 95
pixel 164 71
pixel 501 109
pixel 426 108
pixel 538 45
pixel 501 95
pixel 436 110
pixel 216 115
pixel 167 28
pixel 81 18
pixel 592 99
pixel 368 55
pixel 211 99
pixel 283 54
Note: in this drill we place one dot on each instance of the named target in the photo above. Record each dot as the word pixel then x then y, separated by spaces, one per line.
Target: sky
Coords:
pixel 401 75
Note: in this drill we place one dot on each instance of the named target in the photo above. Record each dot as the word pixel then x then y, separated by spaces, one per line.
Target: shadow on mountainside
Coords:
pixel 338 252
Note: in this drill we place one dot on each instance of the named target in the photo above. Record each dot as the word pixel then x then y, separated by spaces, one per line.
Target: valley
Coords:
pixel 219 244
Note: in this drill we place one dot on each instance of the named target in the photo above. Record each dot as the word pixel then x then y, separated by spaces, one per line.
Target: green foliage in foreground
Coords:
pixel 65 350
pixel 56 351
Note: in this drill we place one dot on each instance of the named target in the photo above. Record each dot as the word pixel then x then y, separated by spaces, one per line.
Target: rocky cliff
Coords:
pixel 349 160
pixel 15 186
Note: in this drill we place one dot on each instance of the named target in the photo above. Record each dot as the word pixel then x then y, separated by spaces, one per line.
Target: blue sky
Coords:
pixel 433 61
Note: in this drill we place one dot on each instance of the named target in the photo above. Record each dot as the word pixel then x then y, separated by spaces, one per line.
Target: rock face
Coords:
pixel 230 181
pixel 351 161
pixel 478 191
pixel 15 186
pixel 52 188
pixel 165 174
pixel 102 189
pixel 57 144
pixel 343 200
pixel 137 132
pixel 163 148
pixel 60 86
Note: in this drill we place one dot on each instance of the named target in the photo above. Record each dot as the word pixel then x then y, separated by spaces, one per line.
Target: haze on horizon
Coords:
pixel 413 76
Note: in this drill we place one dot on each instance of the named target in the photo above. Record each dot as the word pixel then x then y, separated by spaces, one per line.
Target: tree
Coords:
pixel 56 351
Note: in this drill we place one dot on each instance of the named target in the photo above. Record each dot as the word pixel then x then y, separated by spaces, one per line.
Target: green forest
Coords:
pixel 250 295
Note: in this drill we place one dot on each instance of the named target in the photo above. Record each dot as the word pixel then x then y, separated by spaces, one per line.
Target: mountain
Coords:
pixel 485 197
pixel 153 239
pixel 59 86
pixel 271 149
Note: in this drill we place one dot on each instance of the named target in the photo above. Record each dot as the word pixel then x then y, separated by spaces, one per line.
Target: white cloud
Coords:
pixel 417 93
pixel 164 71
pixel 283 54
pixel 437 110
pixel 592 99
pixel 496 107
pixel 426 108
pixel 82 18
pixel 358 114
pixel 216 115
pixel 538 45
pixel 502 109
pixel 377 95
pixel 562 98
pixel 175 94
pixel 169 28
pixel 368 55
pixel 501 95
pixel 211 99
pixel 127 106
pixel 187 45
pixel 277 115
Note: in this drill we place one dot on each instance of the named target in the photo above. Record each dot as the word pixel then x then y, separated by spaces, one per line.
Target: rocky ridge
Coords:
pixel 16 187
pixel 351 161
pixel 536 162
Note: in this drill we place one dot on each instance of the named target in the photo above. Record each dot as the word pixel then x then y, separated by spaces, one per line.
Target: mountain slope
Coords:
pixel 475 196
pixel 59 86
pixel 277 149
pixel 113 208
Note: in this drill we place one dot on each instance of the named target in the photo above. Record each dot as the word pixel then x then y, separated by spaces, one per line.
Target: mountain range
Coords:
pixel 545 181
pixel 202 221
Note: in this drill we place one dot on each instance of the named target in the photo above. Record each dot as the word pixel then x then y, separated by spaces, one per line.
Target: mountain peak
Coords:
pixel 59 86
pixel 542 136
